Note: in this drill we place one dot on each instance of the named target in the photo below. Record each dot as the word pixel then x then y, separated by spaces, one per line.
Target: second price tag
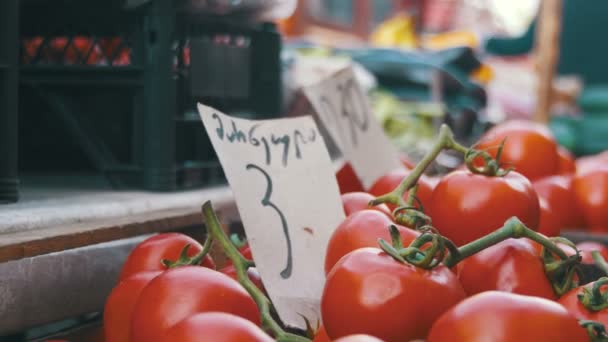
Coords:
pixel 344 109
pixel 289 203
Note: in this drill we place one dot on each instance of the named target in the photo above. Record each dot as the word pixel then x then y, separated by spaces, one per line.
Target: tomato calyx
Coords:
pixel 595 330
pixel 241 264
pixel 592 298
pixel 185 260
pixel 415 254
pixel 491 166
pixel 559 270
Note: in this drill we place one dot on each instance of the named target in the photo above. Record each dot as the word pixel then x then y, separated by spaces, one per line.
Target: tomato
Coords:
pixel 120 304
pixel 572 303
pixel 181 292
pixel 530 147
pixel 513 265
pixel 357 201
pixel 358 338
pixel 433 181
pixel 362 229
pixel 252 273
pixel 148 255
pixel 550 222
pixel 391 180
pixel 586 247
pixel 591 193
pixel 466 206
pixel 215 326
pixel 501 317
pixel 321 335
pixel 559 193
pixel 368 292
pixel 566 163
pixel 348 180
pixel 584 164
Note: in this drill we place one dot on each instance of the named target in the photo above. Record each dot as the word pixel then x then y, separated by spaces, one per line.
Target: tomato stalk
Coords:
pixel 440 249
pixel 185 260
pixel 241 264
pixel 593 299
pixel 445 141
pixel 599 261
pixel 596 330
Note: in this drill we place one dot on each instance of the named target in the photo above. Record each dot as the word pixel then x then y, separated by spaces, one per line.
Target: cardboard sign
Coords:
pixel 288 200
pixel 345 112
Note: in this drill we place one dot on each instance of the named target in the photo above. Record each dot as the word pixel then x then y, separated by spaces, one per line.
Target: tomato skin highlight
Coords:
pixel 467 206
pixel 362 229
pixel 507 317
pixel 513 265
pixel 358 338
pixel 571 302
pixel 120 304
pixel 217 327
pixel 357 201
pixel 566 162
pixel 391 180
pixel 148 255
pixel 530 148
pixel 550 222
pixel 348 180
pixel 591 192
pixel 368 292
pixel 558 191
pixel 182 292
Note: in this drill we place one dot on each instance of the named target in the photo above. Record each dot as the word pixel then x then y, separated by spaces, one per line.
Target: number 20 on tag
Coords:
pixel 288 199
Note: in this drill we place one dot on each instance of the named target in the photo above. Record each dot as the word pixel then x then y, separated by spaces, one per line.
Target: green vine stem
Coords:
pixel 595 330
pixel 599 261
pixel 592 298
pixel 560 272
pixel 241 265
pixel 445 140
pixel 185 260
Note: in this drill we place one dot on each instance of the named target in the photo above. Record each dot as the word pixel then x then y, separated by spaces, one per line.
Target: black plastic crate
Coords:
pixel 123 84
pixel 9 179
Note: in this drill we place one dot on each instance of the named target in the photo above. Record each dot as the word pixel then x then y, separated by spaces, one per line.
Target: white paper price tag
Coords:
pixel 344 110
pixel 288 199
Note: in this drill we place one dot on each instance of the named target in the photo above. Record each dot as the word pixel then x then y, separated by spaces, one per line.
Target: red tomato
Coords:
pixel 362 229
pixel 391 180
pixel 358 338
pixel 586 247
pixel 148 255
pixel 321 335
pixel 466 206
pixel 591 193
pixel 572 303
pixel 433 181
pixel 501 317
pixel 120 304
pixel 357 201
pixel 252 273
pixel 348 180
pixel 181 292
pixel 550 223
pixel 368 292
pixel 530 147
pixel 559 193
pixel 512 265
pixel 217 327
pixel 566 164
pixel 587 163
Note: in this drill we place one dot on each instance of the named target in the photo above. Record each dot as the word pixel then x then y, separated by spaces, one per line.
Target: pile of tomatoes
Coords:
pixel 502 292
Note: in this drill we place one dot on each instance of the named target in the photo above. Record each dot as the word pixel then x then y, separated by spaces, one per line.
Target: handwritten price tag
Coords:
pixel 288 199
pixel 345 112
